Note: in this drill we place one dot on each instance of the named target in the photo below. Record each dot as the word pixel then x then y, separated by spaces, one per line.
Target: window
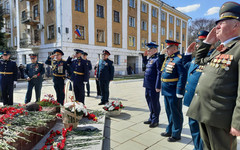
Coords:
pixel 131 21
pixel 143 43
pixel 117 59
pixel 154 28
pixel 171 19
pixel 36 36
pixel 184 25
pixel 183 37
pixel 35 12
pixel 178 22
pixel 144 25
pixel 50 32
pixel 79 5
pixel 144 7
pixel 50 5
pixel 81 29
pixel 100 11
pixel 154 12
pixel 131 41
pixel 117 38
pixel 163 46
pixel 163 31
pixel 132 3
pixel 177 35
pixel 24 15
pixel 100 36
pixel 163 16
pixel 116 16
pixel 171 33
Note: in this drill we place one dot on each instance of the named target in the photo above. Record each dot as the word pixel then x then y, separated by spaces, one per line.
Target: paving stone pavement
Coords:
pixel 127 131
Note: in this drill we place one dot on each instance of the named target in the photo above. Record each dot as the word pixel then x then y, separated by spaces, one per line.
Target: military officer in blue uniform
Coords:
pixel 105 74
pixel 61 71
pixel 8 77
pixel 194 72
pixel 173 84
pixel 34 74
pixel 84 56
pixel 152 79
pixel 79 75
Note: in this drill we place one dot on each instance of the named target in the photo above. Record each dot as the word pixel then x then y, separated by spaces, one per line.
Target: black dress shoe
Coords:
pixel 153 125
pixel 172 139
pixel 165 134
pixel 101 103
pixel 147 122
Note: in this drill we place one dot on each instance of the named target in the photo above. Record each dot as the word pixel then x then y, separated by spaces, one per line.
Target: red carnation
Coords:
pixel 117 108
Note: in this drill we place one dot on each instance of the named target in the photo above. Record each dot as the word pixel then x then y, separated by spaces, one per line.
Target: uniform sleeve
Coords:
pixel 86 72
pixel 43 70
pixel 182 77
pixel 97 73
pixel 186 59
pixel 236 113
pixel 48 61
pixel 111 67
pixel 159 64
pixel 202 57
pixel 68 68
pixel 144 58
pixel 89 65
pixel 69 60
pixel 15 71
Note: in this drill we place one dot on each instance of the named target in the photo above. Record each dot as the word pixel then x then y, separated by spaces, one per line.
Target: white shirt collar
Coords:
pixel 229 40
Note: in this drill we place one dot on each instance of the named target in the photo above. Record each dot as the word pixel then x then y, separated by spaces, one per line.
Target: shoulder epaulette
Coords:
pixel 179 56
pixel 63 60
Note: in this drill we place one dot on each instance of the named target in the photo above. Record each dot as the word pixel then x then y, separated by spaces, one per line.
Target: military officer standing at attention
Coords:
pixel 8 77
pixel 79 75
pixel 216 103
pixel 34 74
pixel 89 68
pixel 105 73
pixel 173 84
pixel 60 70
pixel 194 72
pixel 152 79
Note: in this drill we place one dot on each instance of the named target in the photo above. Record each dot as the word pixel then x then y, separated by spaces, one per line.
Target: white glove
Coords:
pixel 179 96
pixel 15 82
pixel 85 82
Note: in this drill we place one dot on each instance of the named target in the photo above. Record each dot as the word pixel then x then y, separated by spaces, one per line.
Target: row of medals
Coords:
pixel 170 66
pixel 222 60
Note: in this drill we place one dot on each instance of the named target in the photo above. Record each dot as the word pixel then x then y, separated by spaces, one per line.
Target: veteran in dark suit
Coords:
pixel 152 79
pixel 8 77
pixel 61 71
pixel 80 74
pixel 216 103
pixel 173 84
pixel 34 74
pixel 105 74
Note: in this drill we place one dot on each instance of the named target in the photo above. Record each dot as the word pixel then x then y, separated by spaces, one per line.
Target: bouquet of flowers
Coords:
pixel 72 113
pixel 48 101
pixel 113 106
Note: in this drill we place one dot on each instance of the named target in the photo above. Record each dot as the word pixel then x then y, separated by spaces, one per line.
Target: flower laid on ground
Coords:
pixel 59 116
pixel 112 106
pixel 80 108
pixel 48 101
pixel 53 134
pixel 91 116
pixel 9 113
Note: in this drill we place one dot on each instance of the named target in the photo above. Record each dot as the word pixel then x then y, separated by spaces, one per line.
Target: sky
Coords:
pixel 199 8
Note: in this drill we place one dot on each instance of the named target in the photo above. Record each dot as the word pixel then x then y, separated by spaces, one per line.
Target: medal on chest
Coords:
pixel 170 66
pixel 222 61
pixel 36 67
pixel 60 68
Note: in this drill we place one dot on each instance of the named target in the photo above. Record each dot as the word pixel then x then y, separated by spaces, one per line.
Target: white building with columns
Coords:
pixel 123 27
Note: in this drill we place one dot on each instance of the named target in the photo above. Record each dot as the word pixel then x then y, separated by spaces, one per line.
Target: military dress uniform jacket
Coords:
pixel 8 71
pixel 173 75
pixel 217 96
pixel 59 68
pixel 105 70
pixel 152 76
pixel 35 69
pixel 79 69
